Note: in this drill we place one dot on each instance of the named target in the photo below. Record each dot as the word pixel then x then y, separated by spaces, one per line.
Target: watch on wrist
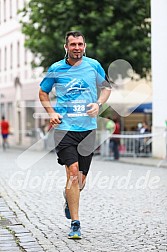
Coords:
pixel 99 103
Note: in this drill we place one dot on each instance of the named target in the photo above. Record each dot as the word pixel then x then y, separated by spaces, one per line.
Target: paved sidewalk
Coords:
pixel 148 161
pixel 14 237
pixel 122 209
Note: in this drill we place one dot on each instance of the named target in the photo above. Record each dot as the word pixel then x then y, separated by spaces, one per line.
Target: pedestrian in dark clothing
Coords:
pixel 115 142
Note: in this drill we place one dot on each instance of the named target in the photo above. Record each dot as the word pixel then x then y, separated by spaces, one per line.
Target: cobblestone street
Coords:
pixel 122 209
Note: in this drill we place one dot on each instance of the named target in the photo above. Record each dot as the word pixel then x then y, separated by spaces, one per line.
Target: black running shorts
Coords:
pixel 74 147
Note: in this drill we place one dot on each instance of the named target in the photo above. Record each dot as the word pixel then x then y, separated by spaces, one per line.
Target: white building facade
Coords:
pixel 159 76
pixel 19 83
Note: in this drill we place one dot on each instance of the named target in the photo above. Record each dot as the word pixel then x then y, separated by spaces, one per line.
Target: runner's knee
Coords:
pixel 73 172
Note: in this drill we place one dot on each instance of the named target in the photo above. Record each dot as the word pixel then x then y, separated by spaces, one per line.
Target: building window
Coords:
pixel 18 54
pixel 26 74
pixel 25 56
pixel 17 5
pixel 11 56
pixel 0 60
pixel 10 113
pixel 2 109
pixel 30 122
pixel 4 10
pixel 10 8
pixel 5 63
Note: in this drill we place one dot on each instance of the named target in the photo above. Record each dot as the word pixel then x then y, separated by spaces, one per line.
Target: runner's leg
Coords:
pixel 72 190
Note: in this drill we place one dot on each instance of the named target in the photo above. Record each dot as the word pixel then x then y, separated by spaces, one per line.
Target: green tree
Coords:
pixel 114 29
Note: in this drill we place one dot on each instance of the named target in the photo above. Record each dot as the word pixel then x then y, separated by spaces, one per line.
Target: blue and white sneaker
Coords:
pixel 66 208
pixel 75 231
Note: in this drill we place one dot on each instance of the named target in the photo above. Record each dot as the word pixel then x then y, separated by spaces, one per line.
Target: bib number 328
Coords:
pixel 79 108
pixel 75 110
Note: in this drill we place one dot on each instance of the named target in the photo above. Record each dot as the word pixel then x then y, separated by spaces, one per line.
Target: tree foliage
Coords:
pixel 114 29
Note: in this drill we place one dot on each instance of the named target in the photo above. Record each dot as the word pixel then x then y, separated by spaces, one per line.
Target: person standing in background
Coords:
pixel 115 142
pixel 4 132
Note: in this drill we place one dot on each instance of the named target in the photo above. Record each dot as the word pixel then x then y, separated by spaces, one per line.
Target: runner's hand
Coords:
pixel 94 109
pixel 55 119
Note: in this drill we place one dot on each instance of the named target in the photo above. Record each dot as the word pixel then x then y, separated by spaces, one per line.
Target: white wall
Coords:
pixel 10 34
pixel 159 74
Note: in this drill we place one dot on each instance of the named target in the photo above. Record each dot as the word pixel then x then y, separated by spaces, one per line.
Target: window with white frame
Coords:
pixel 10 8
pixel 18 54
pixel 25 56
pixel 30 109
pixel 10 112
pixel 0 60
pixel 17 5
pixel 2 109
pixel 11 56
pixel 4 10
pixel 5 59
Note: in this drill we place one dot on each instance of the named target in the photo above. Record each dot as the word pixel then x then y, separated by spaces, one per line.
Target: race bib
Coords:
pixel 77 108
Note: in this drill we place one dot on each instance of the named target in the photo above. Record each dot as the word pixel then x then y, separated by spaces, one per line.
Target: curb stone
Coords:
pixel 13 235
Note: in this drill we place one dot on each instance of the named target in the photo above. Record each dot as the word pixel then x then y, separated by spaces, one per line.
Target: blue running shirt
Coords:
pixel 74 88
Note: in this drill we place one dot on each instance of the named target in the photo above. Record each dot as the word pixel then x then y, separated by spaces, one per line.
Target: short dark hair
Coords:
pixel 74 34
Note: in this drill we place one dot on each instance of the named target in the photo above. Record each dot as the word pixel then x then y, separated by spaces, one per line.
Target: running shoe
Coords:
pixel 75 231
pixel 66 208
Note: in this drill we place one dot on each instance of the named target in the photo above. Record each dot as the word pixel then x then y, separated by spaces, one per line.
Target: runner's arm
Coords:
pixel 94 107
pixel 55 118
